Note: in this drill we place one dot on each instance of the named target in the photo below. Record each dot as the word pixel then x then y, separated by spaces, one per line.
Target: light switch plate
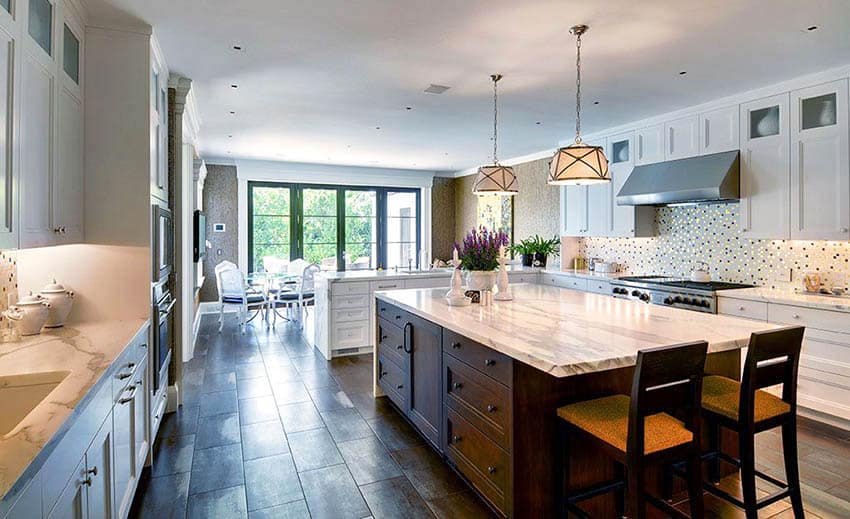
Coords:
pixel 783 275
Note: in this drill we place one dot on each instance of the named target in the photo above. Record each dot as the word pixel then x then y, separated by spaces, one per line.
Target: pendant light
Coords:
pixel 495 179
pixel 579 163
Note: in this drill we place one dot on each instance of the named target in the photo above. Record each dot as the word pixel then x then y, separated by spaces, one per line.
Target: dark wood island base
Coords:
pixel 493 418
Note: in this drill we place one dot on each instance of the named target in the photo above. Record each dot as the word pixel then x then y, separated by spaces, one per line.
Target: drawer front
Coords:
pixel 438 282
pixel 391 380
pixel 353 301
pixel 350 335
pixel 521 277
pixel 481 400
pixel 391 341
pixel 482 358
pixel 390 284
pixel 347 315
pixel 809 317
pixel 391 313
pixel 599 287
pixel 483 463
pixel 574 283
pixel 742 308
pixel 831 347
pixel 823 392
pixel 350 288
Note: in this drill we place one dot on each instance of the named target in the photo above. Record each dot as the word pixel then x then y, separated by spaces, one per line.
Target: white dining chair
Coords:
pixel 233 291
pixel 304 295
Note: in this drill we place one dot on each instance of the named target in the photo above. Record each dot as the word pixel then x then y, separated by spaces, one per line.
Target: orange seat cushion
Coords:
pixel 607 418
pixel 721 395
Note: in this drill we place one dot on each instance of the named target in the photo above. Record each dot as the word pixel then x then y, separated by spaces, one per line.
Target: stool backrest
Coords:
pixel 773 358
pixel 667 380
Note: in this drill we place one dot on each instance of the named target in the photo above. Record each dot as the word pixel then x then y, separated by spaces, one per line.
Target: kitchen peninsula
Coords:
pixel 482 384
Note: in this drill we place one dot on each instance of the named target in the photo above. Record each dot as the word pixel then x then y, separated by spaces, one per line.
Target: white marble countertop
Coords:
pixel 566 332
pixel 378 275
pixel 789 297
pixel 86 351
pixel 589 274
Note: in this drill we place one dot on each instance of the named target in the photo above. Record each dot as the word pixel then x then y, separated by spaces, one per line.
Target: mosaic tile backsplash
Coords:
pixel 8 280
pixel 709 233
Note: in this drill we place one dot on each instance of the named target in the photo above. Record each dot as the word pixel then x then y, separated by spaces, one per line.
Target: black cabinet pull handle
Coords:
pixel 456 439
pixel 457 385
pixel 398 317
pixel 400 386
pixel 491 408
pixel 489 362
pixel 456 345
pixel 491 470
pixel 383 309
pixel 399 347
pixel 383 373
pixel 408 337
pixel 383 337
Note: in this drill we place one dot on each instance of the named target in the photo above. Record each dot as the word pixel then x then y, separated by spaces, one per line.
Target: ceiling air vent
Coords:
pixel 436 89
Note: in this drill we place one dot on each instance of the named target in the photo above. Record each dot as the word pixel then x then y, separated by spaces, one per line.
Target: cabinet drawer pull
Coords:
pixel 400 386
pixel 844 229
pixel 456 439
pixel 383 373
pixel 740 308
pixel 86 482
pixel 489 363
pixel 796 316
pixel 491 470
pixel 123 376
pixel 398 317
pixel 457 385
pixel 131 365
pixel 384 287
pixel 455 345
pixel 128 399
pixel 399 347
pixel 383 309
pixel 92 471
pixel 491 408
pixel 383 337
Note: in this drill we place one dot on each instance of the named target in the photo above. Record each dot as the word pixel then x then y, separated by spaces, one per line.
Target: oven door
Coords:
pixel 164 319
pixel 163 243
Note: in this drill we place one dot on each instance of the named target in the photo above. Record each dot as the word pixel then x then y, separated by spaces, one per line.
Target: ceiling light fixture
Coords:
pixel 578 163
pixel 495 179
pixel 683 72
pixel 234 86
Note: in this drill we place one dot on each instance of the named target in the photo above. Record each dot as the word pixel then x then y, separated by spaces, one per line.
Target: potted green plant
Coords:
pixel 479 256
pixel 535 250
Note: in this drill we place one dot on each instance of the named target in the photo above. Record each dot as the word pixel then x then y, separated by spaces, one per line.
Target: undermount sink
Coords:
pixel 22 393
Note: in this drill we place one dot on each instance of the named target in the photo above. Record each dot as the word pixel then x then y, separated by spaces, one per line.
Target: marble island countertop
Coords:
pixel 378 275
pixel 566 332
pixel 589 274
pixel 85 351
pixel 790 297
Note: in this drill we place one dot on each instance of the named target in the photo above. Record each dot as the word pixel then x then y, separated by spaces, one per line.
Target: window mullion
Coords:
pixel 340 228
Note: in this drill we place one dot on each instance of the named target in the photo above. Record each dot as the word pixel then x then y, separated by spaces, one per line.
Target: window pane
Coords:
pixel 361 203
pixel 764 122
pixel 271 224
pixel 41 24
pixel 401 204
pixel 71 55
pixel 361 256
pixel 7 5
pixel 323 254
pixel 402 255
pixel 320 202
pixel 271 200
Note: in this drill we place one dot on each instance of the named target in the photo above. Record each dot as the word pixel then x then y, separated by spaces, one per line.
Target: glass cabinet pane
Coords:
pixel 40 23
pixel 71 55
pixel 620 152
pixel 817 112
pixel 7 5
pixel 764 122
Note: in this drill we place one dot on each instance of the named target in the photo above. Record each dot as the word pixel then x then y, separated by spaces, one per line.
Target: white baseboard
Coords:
pixel 212 307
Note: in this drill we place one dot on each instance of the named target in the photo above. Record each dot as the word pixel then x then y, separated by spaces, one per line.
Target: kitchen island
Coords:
pixel 482 384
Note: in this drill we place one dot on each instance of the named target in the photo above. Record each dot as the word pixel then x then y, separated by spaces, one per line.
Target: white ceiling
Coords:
pixel 316 77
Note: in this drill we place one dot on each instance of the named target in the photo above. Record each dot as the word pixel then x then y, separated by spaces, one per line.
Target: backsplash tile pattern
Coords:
pixel 8 280
pixel 710 233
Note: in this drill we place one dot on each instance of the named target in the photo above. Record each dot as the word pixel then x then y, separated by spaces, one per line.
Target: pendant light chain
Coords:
pixel 495 78
pixel 578 87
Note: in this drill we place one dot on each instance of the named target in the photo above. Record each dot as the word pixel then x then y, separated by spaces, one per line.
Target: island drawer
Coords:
pixel 347 315
pixel 350 301
pixel 480 357
pixel 480 460
pixel 809 317
pixel 391 313
pixel 742 308
pixel 391 380
pixel 391 341
pixel 347 288
pixel 387 284
pixel 480 400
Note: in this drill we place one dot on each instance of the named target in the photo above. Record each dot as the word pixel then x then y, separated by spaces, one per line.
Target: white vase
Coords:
pixel 480 279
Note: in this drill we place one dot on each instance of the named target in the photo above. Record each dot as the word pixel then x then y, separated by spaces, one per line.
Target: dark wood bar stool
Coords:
pixel 772 359
pixel 642 430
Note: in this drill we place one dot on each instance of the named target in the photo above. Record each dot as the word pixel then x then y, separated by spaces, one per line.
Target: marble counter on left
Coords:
pixel 86 351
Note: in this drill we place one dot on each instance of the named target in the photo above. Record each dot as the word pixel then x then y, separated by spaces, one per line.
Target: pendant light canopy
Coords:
pixel 579 163
pixel 495 179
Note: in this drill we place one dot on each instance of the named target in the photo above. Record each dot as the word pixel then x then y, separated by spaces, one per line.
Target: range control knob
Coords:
pixel 668 300
pixel 705 304
pixel 686 301
pixel 677 299
pixel 644 297
pixel 635 293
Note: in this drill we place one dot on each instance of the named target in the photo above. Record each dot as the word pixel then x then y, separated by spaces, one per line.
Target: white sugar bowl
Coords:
pixel 29 314
pixel 61 300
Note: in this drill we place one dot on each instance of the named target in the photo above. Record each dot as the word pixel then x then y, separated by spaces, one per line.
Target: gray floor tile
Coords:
pixel 263 439
pixel 215 382
pixel 252 370
pixel 163 497
pixel 181 422
pixel 215 468
pixel 222 429
pixel 300 417
pixel 318 378
pixel 282 374
pixel 428 472
pixel 332 493
pixel 346 424
pixel 293 510
pixel 253 387
pixel 329 399
pixel 313 449
pixel 222 503
pixel 369 460
pixel 395 432
pixel 173 455
pixel 222 402
pixel 255 410
pixel 290 393
pixel 395 498
pixel 271 481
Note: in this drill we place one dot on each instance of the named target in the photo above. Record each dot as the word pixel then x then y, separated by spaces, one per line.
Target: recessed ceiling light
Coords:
pixel 232 112
pixel 377 127
pixel 436 89
pixel 683 72
pixel 812 28
pixel 408 108
pixel 237 48
pixel 229 152
pixel 538 123
pixel 596 102
pixel 234 86
pixel 229 136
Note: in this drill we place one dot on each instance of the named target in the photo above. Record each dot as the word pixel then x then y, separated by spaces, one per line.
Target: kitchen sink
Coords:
pixel 22 393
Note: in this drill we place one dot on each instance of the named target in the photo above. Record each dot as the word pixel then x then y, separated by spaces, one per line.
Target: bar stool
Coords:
pixel 641 430
pixel 772 359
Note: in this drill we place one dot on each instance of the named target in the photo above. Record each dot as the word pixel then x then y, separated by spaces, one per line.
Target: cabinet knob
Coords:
pixel 844 229
pixel 57 230
pixel 400 386
pixel 86 482
pixel 491 470
pixel 457 385
pixel 491 408
pixel 740 308
pixel 796 316
pixel 383 373
pixel 383 337
pixel 383 309
pixel 399 347
pixel 92 471
pixel 456 439
pixel 456 345
pixel 489 363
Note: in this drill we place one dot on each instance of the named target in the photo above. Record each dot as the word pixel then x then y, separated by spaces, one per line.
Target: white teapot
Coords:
pixel 60 300
pixel 29 314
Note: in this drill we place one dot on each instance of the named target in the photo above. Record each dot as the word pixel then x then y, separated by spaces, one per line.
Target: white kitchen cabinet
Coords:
pixel 765 211
pixel 126 469
pixel 28 503
pixel 142 414
pixel 650 145
pixel 159 128
pixel 681 138
pixel 599 199
pixel 98 476
pixel 72 502
pixel 573 210
pixel 68 180
pixel 719 130
pixel 8 198
pixel 820 170
pixel 625 220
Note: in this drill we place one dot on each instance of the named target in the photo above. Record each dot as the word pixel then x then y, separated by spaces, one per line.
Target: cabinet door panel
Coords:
pixel 573 210
pixel 423 342
pixel 820 182
pixel 765 181
pixel 621 158
pixel 99 471
pixel 124 438
pixel 141 413
pixel 36 154
pixel 72 501
pixel 719 130
pixel 68 193
pixel 650 145
pixel 682 138
pixel 8 216
pixel 598 209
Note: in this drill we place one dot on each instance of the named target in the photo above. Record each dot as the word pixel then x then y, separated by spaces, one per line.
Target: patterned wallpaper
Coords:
pixel 8 283
pixel 442 217
pixel 710 233
pixel 220 196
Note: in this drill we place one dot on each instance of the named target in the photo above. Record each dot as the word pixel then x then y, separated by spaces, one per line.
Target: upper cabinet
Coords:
pixel 650 145
pixel 681 138
pixel 820 171
pixel 9 69
pixel 718 130
pixel 159 129
pixel 764 168
pixel 51 126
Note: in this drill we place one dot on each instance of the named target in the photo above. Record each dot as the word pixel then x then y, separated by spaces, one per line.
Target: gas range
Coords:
pixel 671 291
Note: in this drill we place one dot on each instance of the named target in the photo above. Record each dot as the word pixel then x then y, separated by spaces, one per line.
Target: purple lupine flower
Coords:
pixel 480 249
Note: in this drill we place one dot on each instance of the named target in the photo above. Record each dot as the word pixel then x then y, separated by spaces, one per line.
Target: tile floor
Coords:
pixel 269 429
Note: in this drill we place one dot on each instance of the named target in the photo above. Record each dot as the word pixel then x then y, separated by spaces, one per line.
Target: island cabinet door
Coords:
pixel 422 342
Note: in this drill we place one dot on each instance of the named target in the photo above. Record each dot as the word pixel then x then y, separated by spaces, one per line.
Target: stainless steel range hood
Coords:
pixel 696 180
